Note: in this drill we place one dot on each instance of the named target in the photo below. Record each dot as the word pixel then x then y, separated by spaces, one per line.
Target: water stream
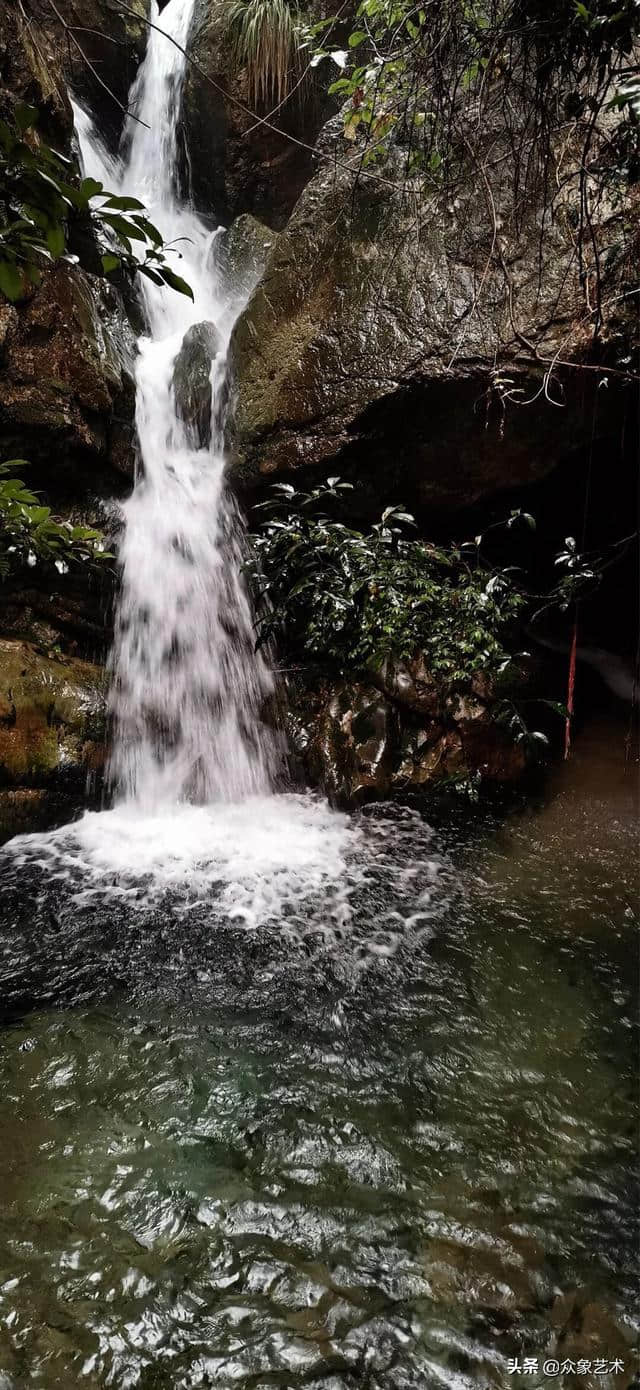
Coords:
pixel 193 768
pixel 292 1098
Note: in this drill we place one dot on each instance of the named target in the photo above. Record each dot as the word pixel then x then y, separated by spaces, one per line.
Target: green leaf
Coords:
pixel 357 38
pixel 25 116
pixel 152 275
pixel 89 188
pixel 152 234
pixel 124 204
pixel 122 226
pixel 110 262
pixel 557 706
pixel 176 282
pixel 56 240
pixel 11 281
pixel 10 465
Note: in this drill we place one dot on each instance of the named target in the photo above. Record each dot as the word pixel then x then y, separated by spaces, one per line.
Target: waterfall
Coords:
pixel 187 685
pixel 193 768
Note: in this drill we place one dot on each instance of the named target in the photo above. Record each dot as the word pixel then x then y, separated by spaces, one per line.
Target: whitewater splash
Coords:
pixel 197 819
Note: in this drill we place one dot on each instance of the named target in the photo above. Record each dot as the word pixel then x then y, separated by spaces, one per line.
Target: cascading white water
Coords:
pixel 187 685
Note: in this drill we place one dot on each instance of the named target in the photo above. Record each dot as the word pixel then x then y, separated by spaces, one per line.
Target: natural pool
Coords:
pixel 396 1157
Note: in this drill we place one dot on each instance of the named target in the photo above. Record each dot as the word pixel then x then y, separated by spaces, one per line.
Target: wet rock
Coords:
pixel 426 757
pixel 410 684
pixel 32 70
pixel 363 348
pixel 100 71
pixel 52 722
pixel 192 380
pixel 24 811
pixel 346 745
pixel 234 164
pixel 66 386
pixel 241 252
pixel 358 741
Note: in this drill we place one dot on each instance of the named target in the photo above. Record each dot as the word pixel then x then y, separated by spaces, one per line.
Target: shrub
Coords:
pixel 29 533
pixel 356 598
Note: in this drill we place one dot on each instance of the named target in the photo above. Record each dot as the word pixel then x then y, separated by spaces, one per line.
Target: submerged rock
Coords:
pixel 192 380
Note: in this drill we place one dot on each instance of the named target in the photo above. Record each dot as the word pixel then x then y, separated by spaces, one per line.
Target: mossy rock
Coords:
pixel 52 719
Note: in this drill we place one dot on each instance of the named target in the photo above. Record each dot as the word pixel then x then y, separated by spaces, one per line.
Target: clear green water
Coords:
pixel 220 1167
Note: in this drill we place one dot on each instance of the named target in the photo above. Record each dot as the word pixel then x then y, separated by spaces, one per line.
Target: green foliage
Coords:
pixel 264 42
pixel 527 100
pixel 420 76
pixel 30 535
pixel 40 193
pixel 356 598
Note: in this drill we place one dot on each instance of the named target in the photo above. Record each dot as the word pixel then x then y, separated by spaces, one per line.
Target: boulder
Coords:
pixel 369 346
pixel 241 252
pixel 192 381
pixel 52 720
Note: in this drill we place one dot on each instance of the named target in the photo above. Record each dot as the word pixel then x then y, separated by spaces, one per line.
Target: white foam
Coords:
pixel 257 860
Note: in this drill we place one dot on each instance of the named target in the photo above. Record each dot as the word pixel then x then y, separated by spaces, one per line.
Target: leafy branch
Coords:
pixel 355 598
pixel 30 534
pixel 40 193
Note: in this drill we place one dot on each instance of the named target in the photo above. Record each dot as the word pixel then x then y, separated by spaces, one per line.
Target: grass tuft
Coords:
pixel 263 34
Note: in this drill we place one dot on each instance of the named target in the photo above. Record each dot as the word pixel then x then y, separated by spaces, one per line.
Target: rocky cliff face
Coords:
pixel 388 340
pixel 391 338
pixel 66 405
pixel 66 385
pixel 52 733
pixel 66 352
pixel 90 48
